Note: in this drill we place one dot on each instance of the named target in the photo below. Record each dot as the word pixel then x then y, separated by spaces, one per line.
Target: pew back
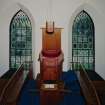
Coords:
pixel 11 91
pixel 87 87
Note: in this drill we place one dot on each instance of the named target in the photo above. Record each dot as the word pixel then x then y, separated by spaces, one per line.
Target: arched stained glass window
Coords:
pixel 83 48
pixel 20 40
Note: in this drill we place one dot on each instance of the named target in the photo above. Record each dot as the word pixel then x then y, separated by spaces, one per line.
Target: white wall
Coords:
pixel 63 13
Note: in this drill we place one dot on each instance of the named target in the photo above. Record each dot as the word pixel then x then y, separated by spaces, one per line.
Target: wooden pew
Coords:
pixel 100 87
pixel 88 88
pixel 12 89
pixel 4 78
pixel 2 84
pixel 11 92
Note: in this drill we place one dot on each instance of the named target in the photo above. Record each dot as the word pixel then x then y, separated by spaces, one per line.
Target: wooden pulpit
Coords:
pixel 51 41
pixel 51 59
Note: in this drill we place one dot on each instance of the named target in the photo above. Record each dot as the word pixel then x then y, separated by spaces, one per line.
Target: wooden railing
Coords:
pixel 11 92
pixel 87 87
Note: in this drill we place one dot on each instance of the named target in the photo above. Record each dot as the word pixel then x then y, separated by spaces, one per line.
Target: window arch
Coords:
pixel 20 40
pixel 83 43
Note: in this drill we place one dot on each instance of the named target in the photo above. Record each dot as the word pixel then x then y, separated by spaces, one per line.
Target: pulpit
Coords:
pixel 51 59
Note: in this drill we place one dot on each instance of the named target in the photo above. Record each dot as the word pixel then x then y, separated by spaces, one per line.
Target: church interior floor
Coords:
pixel 71 83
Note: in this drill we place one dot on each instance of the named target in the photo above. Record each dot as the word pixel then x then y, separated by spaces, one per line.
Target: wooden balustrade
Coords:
pixel 11 92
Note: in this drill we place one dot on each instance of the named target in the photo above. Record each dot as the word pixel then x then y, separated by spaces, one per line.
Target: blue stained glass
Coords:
pixel 20 37
pixel 83 40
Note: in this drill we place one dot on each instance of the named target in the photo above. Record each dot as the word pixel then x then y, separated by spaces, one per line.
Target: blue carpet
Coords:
pixel 73 99
pixel 71 83
pixel 70 80
pixel 27 97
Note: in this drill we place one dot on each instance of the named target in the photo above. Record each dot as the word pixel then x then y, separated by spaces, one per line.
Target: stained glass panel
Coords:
pixel 20 40
pixel 83 41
